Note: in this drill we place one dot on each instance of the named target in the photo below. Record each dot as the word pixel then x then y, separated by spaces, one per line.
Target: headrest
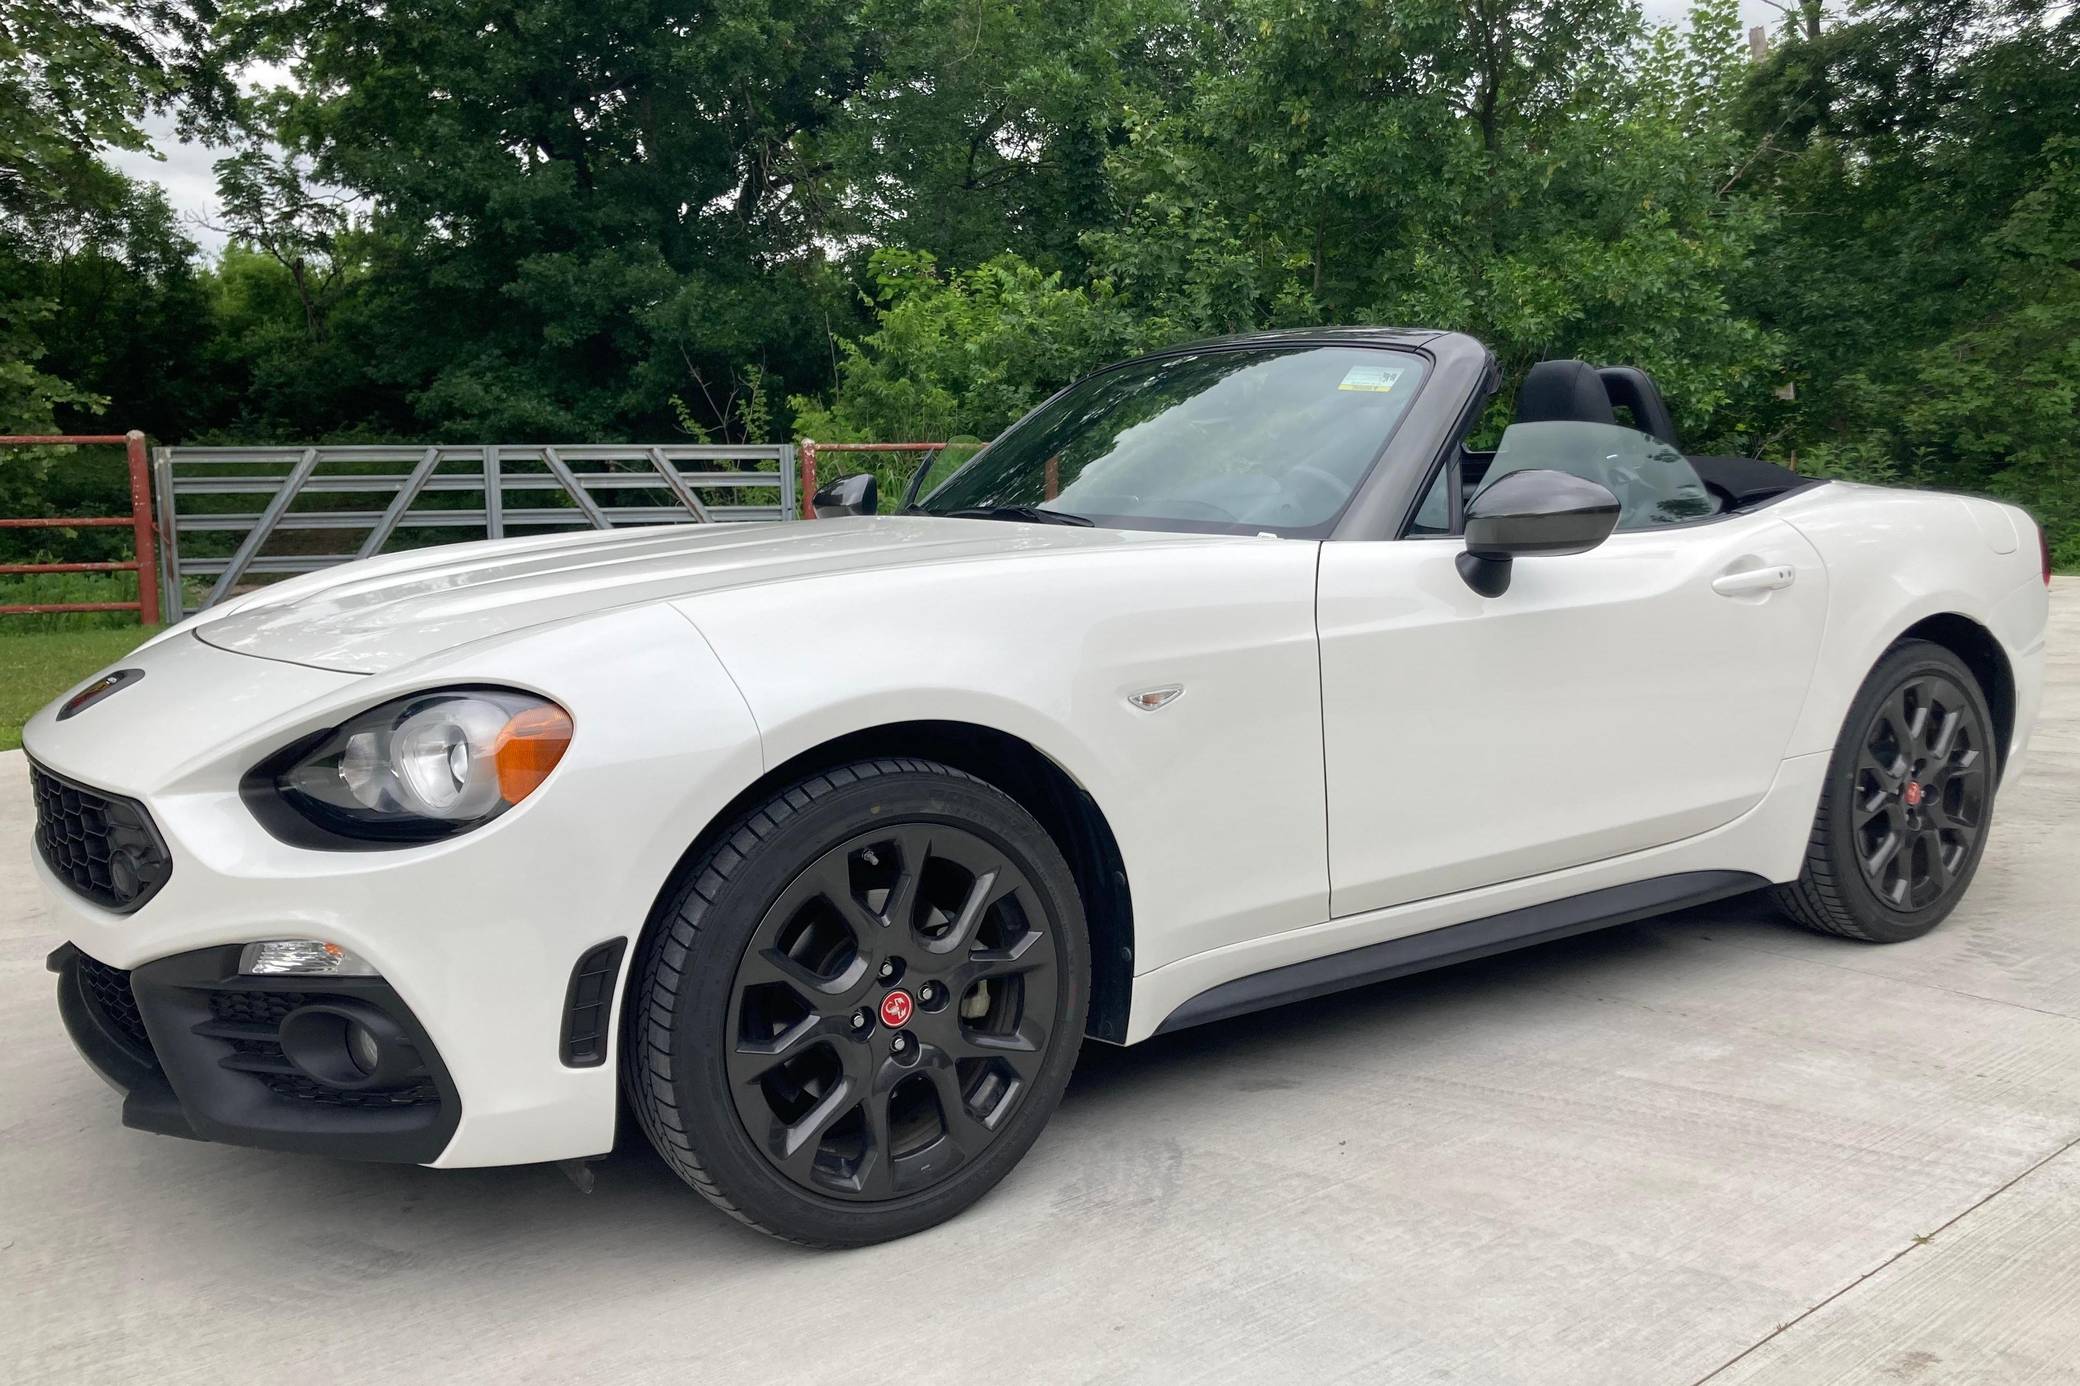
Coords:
pixel 1564 392
pixel 1632 388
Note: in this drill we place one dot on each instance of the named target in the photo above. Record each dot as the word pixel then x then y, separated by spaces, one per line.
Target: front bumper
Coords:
pixel 196 1050
pixel 489 942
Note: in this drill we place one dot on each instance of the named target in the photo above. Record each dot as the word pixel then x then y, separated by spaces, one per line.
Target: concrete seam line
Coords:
pixel 1920 1240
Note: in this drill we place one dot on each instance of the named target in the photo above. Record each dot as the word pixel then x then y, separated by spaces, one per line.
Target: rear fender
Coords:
pixel 1896 558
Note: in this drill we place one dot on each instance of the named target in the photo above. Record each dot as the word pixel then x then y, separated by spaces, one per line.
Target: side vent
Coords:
pixel 588 1007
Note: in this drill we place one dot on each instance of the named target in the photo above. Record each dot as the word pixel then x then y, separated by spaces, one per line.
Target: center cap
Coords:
pixel 1912 794
pixel 896 1008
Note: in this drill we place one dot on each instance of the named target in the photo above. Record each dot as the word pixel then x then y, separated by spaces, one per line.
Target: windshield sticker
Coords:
pixel 1378 380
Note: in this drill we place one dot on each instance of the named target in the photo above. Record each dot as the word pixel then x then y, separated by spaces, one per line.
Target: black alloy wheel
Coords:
pixel 861 1003
pixel 1923 782
pixel 892 1011
pixel 1909 795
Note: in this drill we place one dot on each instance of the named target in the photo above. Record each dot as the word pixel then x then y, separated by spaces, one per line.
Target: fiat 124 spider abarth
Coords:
pixel 1229 676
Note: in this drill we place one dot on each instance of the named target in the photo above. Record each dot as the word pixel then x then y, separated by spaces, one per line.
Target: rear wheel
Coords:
pixel 863 1004
pixel 1909 796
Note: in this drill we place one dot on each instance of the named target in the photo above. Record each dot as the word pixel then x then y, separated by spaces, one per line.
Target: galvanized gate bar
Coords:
pixel 169 547
pixel 399 503
pixel 679 487
pixel 577 492
pixel 388 484
pixel 471 518
pixel 494 494
pixel 603 485
pixel 258 535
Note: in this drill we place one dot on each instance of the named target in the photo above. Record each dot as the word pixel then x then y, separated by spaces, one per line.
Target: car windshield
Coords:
pixel 1226 441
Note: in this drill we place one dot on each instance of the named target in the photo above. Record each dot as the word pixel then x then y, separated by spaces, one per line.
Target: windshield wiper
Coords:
pixel 1032 513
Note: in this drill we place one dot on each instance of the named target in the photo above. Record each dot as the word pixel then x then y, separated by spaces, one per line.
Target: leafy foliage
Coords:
pixel 75 78
pixel 966 353
pixel 1925 272
pixel 1538 174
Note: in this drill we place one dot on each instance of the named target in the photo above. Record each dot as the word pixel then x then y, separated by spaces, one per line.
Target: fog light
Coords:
pixel 345 1044
pixel 302 957
pixel 362 1047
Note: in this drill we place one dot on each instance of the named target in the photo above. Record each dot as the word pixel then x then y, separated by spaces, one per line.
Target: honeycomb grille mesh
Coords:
pixel 108 991
pixel 102 845
pixel 257 1017
pixel 302 1089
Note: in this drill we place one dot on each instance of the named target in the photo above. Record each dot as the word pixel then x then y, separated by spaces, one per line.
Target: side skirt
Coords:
pixel 1476 938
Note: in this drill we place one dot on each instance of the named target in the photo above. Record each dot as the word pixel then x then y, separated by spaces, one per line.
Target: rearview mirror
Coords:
pixel 1528 514
pixel 852 495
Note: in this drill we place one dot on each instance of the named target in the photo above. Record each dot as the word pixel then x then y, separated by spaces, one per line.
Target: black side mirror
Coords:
pixel 1532 513
pixel 852 495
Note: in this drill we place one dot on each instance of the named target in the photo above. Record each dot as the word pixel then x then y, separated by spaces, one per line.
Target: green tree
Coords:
pixel 1926 273
pixel 984 125
pixel 963 354
pixel 269 206
pixel 75 78
pixel 121 334
pixel 602 200
pixel 1544 175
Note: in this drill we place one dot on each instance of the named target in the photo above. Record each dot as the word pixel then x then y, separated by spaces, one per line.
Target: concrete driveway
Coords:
pixel 1711 1148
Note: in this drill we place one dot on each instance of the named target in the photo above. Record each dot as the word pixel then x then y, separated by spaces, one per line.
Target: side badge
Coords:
pixel 1150 699
pixel 97 690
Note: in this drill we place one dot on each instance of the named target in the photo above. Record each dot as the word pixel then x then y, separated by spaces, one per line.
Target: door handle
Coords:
pixel 1750 580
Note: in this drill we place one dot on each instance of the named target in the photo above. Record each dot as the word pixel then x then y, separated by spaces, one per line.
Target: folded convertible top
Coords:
pixel 1745 480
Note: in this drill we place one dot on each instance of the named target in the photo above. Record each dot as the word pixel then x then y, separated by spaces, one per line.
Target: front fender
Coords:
pixel 1041 646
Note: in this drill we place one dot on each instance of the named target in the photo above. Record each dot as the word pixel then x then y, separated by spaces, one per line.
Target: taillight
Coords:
pixel 2044 548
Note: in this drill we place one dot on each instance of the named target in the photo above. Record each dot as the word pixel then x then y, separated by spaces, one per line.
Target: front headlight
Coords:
pixel 415 769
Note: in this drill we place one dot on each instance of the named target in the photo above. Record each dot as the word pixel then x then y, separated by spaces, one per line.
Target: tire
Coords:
pixel 766 1054
pixel 1910 786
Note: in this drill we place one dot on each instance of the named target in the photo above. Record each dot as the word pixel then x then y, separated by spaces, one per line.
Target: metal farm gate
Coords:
pixel 231 515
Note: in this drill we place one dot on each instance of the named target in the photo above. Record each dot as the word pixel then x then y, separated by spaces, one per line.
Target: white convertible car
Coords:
pixel 1228 677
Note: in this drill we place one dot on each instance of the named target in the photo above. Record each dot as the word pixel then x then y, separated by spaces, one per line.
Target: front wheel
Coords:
pixel 1909 796
pixel 862 1005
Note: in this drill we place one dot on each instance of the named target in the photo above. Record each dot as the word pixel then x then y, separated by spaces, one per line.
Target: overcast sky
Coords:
pixel 184 169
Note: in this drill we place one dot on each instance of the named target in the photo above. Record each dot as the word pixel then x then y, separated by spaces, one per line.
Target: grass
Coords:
pixel 37 665
pixel 35 589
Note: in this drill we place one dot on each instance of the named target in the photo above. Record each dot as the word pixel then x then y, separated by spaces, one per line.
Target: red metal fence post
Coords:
pixel 141 526
pixel 144 562
pixel 809 449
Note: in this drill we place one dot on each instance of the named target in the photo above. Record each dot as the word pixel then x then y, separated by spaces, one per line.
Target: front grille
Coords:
pixel 102 845
pixel 252 1022
pixel 302 1089
pixel 258 1008
pixel 108 994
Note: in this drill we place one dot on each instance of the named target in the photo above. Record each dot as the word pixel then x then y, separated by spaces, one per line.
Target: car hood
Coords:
pixel 381 614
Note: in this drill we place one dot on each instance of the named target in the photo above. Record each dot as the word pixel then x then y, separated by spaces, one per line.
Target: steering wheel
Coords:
pixel 1332 489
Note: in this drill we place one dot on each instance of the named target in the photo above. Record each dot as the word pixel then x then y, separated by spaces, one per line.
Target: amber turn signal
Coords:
pixel 528 747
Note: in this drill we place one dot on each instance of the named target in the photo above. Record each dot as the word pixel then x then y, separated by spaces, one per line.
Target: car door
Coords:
pixel 1607 702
